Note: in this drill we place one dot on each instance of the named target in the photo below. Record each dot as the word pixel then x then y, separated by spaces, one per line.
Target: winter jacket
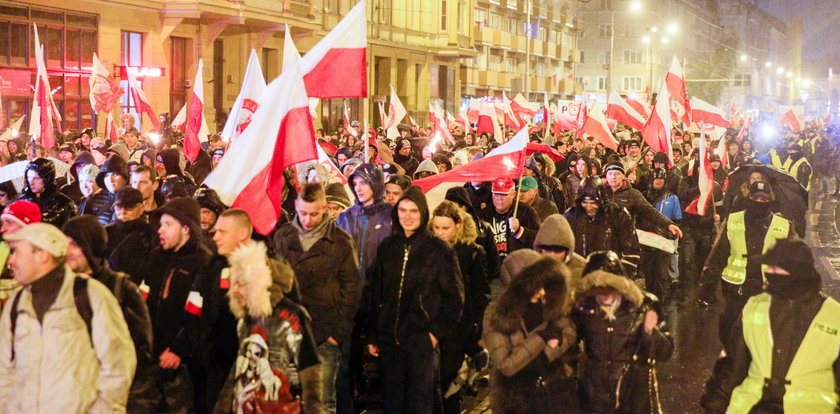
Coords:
pixel 368 226
pixel 100 204
pixel 527 375
pixel 134 309
pixel 71 189
pixel 170 276
pixel 56 208
pixel 485 231
pixel 129 245
pixel 275 323
pixel 638 207
pixel 328 276
pixel 174 163
pixel 55 368
pixel 481 197
pixel 556 232
pixel 506 240
pixel 473 265
pixel 415 283
pixel 409 163
pixel 610 229
pixel 543 207
pixel 610 345
pixel 201 167
pixel 666 203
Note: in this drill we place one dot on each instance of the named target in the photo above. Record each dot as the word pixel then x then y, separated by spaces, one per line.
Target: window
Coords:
pixel 632 56
pixel 606 4
pixel 631 83
pixel 582 55
pixel 512 25
pixel 579 79
pixel 543 34
pixel 605 30
pixel 131 54
pixel 742 80
pixel 495 21
pixel 443 15
pixel 602 83
pixel 480 16
pixel 495 63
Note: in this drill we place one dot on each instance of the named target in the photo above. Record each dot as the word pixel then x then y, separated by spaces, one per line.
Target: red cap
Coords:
pixel 22 211
pixel 503 185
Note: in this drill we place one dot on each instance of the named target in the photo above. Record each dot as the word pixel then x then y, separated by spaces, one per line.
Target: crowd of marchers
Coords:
pixel 129 286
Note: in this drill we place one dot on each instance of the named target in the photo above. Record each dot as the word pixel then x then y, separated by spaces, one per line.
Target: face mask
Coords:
pixel 788 286
pixel 756 207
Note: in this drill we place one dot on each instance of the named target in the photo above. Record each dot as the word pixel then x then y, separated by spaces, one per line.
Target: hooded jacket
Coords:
pixel 56 208
pixel 171 159
pixel 427 166
pixel 129 245
pixel 370 225
pixel 519 356
pixel 415 284
pixel 460 196
pixel 610 345
pixel 556 232
pixel 72 189
pixel 201 167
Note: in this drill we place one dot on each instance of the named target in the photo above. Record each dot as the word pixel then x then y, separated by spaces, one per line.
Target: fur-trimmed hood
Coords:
pixel 506 315
pixel 266 281
pixel 623 285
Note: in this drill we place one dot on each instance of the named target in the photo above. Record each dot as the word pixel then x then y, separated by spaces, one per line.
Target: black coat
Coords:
pixel 134 310
pixel 610 229
pixel 99 204
pixel 328 278
pixel 129 245
pixel 506 242
pixel 486 241
pixel 56 208
pixel 638 207
pixel 473 264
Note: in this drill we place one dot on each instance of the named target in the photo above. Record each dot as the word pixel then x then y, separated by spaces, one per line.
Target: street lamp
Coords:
pixel 672 28
pixel 635 6
pixel 768 64
pixel 743 58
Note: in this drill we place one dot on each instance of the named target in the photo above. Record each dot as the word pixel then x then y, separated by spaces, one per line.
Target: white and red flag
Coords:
pixel 196 131
pixel 705 182
pixel 250 176
pixel 675 80
pixel 487 121
pixel 140 101
pixel 792 119
pixel 619 110
pixel 657 129
pixel 383 115
pixel 179 123
pixel 522 106
pixel 639 105
pixel 414 126
pixel 744 129
pixel 336 67
pixel 195 303
pixel 346 117
pixel 105 92
pixel 332 171
pixel 473 110
pixel 596 126
pixel 247 101
pixel 702 111
pixel 396 113
pixel 44 115
pixel 439 124
pixel 110 129
pixel 511 120
pixel 464 120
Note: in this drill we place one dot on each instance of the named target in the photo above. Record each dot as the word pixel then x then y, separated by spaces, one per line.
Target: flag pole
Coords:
pixel 518 191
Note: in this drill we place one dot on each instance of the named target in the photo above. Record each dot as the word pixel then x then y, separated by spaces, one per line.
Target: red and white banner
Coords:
pixel 792 119
pixel 44 111
pixel 639 105
pixel 248 100
pixel 250 176
pixel 657 129
pixel 180 121
pixel 196 131
pixel 675 80
pixel 702 111
pixel 565 116
pixel 195 302
pixel 596 126
pixel 705 181
pixel 396 113
pixel 439 124
pixel 110 129
pixel 511 119
pixel 336 67
pixel 487 121
pixel 619 110
pixel 105 92
pixel 141 103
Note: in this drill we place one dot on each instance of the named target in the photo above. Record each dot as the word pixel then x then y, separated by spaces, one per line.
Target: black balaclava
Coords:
pixel 794 256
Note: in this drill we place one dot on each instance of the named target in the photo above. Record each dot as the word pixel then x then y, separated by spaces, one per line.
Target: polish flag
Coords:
pixel 640 106
pixel 140 101
pixel 487 122
pixel 383 116
pixel 511 119
pixel 702 111
pixel 414 126
pixel 506 160
pixel 675 80
pixel 105 92
pixel 194 303
pixel 439 123
pixel 144 289
pixel 347 119
pixel 793 120
pixel 224 279
pixel 396 113
pixel 473 110
pixel 180 121
pixel 44 111
pixel 721 151
pixel 744 128
pixel 705 181
pixel 657 129
pixel 110 129
pixel 522 106
pixel 247 101
pixel 250 176
pixel 596 126
pixel 336 67
pixel 332 171
pixel 196 131
pixel 546 149
pixel 619 110
pixel 464 120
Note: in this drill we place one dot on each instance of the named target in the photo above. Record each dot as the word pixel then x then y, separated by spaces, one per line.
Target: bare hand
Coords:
pixel 434 340
pixel 513 222
pixel 675 230
pixel 554 343
pixel 169 360
pixel 332 341
pixel 651 319
pixel 373 350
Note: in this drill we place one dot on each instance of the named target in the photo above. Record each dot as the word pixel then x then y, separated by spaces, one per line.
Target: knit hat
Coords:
pixel 515 262
pixel 184 209
pixel 89 172
pixel 555 232
pixel 43 236
pixel 614 166
pixel 90 236
pixel 23 212
pixel 337 195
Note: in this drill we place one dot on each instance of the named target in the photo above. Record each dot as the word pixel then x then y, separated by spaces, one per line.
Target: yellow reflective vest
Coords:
pixel 775 160
pixel 793 169
pixel 735 271
pixel 810 379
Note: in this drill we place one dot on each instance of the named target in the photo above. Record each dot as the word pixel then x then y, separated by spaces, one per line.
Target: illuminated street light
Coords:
pixel 780 70
pixel 646 39
pixel 789 74
pixel 768 64
pixel 636 6
pixel 665 39
pixel 672 28
pixel 654 29
pixel 743 57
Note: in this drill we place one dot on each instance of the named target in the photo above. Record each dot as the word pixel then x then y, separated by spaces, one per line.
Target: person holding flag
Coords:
pixel 514 223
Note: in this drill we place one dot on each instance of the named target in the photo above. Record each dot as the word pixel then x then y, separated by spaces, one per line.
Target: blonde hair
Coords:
pixel 468 232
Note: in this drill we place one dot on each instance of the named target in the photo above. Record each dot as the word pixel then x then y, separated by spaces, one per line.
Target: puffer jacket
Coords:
pixel 129 245
pixel 611 344
pixel 56 208
pixel 56 370
pixel 528 375
pixel 368 226
pixel 99 204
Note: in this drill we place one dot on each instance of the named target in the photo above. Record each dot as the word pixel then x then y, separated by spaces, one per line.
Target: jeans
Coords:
pixel 408 373
pixel 674 267
pixel 329 355
pixel 695 247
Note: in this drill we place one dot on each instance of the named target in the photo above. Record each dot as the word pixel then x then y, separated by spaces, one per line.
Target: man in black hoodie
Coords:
pixel 86 254
pixel 130 237
pixel 417 296
pixel 39 187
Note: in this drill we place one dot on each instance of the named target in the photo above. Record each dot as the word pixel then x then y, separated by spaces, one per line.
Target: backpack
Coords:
pixel 81 297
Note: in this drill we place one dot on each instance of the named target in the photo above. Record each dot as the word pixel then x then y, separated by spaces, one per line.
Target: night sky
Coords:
pixel 821 26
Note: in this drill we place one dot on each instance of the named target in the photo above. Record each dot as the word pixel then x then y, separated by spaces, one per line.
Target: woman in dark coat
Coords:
pixel 531 339
pixel 623 338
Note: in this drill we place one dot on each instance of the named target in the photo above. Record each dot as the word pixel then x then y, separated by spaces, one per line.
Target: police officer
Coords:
pixel 747 234
pixel 782 353
pixel 798 166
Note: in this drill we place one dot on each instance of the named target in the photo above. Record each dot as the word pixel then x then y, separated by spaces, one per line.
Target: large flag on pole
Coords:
pixel 439 124
pixel 196 132
pixel 43 108
pixel 639 105
pixel 705 180
pixel 511 119
pixel 336 67
pixel 250 176
pixel 396 113
pixel 657 129
pixel 140 101
pixel 702 111
pixel 596 126
pixel 487 121
pixel 105 92
pixel 248 100
pixel 619 110
pixel 793 120
pixel 675 80
pixel 179 123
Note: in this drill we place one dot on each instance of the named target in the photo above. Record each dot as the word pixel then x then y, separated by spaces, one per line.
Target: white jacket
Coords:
pixel 56 370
